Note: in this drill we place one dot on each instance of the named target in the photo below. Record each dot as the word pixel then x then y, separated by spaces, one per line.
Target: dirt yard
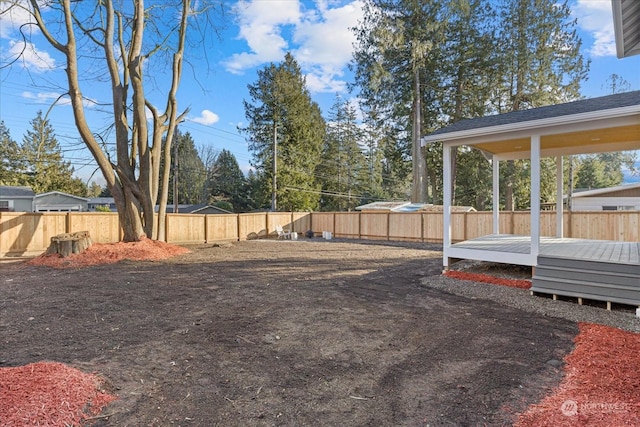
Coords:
pixel 282 333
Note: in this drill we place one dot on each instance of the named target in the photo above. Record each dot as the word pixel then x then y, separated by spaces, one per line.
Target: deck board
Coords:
pixel 593 250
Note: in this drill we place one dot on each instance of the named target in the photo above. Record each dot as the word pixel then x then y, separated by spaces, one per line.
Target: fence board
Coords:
pixel 477 224
pixel 282 219
pixel 301 222
pixel 103 227
pixel 405 226
pixel 374 225
pixel 222 227
pixel 27 233
pixel 252 225
pixel 322 221
pixel 432 227
pixel 185 228
pixel 347 224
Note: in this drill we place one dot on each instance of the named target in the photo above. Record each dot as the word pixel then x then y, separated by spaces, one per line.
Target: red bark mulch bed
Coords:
pixel 485 278
pixel 110 253
pixel 601 385
pixel 49 394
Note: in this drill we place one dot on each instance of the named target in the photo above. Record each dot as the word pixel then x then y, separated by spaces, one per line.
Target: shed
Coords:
pixel 409 207
pixel 16 199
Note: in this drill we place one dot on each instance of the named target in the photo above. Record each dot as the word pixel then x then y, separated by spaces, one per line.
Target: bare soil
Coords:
pixel 284 333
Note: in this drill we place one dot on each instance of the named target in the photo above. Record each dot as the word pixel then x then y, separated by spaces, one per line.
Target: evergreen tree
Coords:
pixel 467 70
pixel 540 61
pixel 395 64
pixel 342 170
pixel 281 113
pixel 591 174
pixel 258 191
pixel 44 161
pixel 94 189
pixel 11 168
pixel 191 176
pixel 604 169
pixel 230 183
pixel 374 156
pixel 541 65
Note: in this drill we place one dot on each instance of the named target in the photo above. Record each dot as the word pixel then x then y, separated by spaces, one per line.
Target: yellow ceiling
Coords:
pixel 599 140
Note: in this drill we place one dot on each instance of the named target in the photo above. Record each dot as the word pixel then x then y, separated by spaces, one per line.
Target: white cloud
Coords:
pixel 13 16
pixel 320 39
pixel 49 98
pixel 261 24
pixel 46 97
pixel 206 118
pixel 30 57
pixel 596 18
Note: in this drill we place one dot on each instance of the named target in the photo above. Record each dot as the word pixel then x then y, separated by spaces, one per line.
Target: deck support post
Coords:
pixel 496 195
pixel 535 196
pixel 559 198
pixel 446 202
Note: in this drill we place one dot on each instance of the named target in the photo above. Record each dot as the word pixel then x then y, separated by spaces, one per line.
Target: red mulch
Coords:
pixel 109 253
pixel 49 394
pixel 485 278
pixel 601 385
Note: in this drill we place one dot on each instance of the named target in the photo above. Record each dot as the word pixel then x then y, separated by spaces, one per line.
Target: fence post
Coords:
pixel 388 224
pixel 334 224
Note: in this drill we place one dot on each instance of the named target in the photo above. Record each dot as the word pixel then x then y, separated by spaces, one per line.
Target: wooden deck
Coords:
pixel 592 250
pixel 591 269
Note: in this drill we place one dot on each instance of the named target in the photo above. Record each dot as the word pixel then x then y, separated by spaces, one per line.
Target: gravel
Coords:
pixel 623 318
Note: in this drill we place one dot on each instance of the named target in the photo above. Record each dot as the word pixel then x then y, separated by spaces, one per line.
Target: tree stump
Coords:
pixel 70 243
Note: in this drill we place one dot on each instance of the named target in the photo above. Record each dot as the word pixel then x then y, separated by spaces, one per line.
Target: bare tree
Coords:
pixel 121 38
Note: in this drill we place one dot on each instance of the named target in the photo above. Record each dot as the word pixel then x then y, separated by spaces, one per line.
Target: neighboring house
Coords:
pixel 620 198
pixel 626 25
pixel 409 207
pixel 95 202
pixel 16 199
pixel 197 209
pixel 56 201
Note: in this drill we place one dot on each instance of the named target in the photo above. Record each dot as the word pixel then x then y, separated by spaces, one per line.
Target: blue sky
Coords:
pixel 258 32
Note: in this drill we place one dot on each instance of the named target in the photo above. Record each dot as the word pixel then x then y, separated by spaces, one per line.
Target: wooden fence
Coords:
pixel 27 234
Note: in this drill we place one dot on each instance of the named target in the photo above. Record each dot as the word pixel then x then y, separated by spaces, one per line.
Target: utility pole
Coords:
pixel 275 168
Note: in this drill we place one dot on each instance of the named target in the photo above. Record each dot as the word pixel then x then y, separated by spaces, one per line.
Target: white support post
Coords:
pixel 559 198
pixel 446 193
pixel 535 195
pixel 496 195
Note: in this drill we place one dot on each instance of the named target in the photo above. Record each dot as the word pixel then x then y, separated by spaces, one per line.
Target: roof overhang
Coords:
pixel 626 24
pixel 615 129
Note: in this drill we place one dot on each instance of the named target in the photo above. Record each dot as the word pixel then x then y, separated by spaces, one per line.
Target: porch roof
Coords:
pixel 603 124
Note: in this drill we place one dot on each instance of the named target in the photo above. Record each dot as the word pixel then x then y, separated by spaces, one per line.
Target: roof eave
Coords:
pixel 532 124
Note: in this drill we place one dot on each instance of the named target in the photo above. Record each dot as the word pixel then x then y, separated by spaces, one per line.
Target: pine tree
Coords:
pixel 192 174
pixel 342 170
pixel 281 113
pixel 11 168
pixel 230 183
pixel 47 169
